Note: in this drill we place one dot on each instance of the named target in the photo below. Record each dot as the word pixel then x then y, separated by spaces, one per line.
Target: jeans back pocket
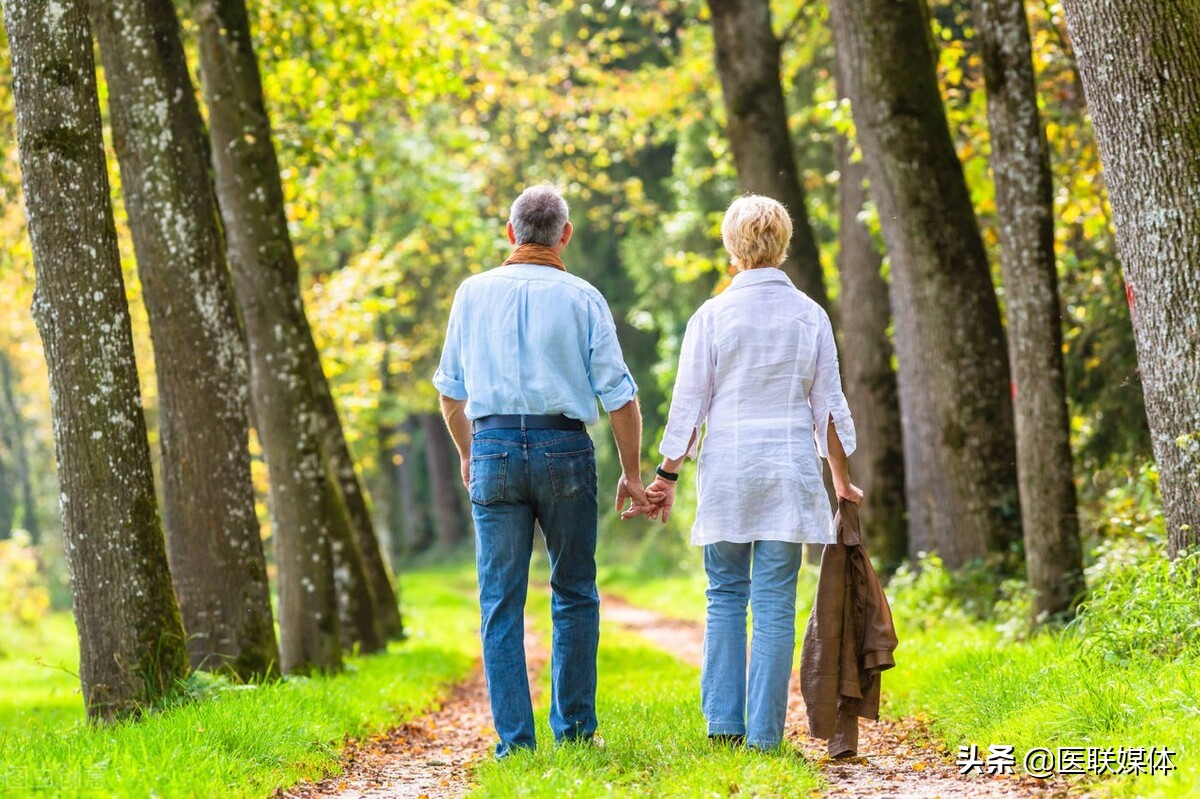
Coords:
pixel 571 473
pixel 488 473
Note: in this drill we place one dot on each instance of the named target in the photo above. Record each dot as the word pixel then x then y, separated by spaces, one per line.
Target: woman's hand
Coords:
pixel 850 493
pixel 661 494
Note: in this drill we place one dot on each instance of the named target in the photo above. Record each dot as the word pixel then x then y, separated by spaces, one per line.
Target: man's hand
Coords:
pixel 630 488
pixel 661 494
pixel 464 466
pixel 850 493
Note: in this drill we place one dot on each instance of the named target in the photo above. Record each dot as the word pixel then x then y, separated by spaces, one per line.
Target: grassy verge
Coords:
pixel 229 741
pixel 1051 691
pixel 649 708
pixel 1122 676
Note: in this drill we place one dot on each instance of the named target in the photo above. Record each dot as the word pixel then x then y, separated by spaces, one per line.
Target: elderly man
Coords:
pixel 529 348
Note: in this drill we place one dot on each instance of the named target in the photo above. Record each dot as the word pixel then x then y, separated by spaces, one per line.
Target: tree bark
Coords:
pixel 959 453
pixel 266 280
pixel 359 623
pixel 213 540
pixel 1139 64
pixel 370 556
pixel 747 55
pixel 1025 208
pixel 878 463
pixel 442 462
pixel 265 183
pixel 131 639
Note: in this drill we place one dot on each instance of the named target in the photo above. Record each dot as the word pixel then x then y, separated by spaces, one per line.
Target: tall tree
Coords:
pixel 440 458
pixel 131 639
pixel 213 539
pixel 1139 66
pixel 256 224
pixel 867 370
pixel 1025 207
pixel 959 452
pixel 18 446
pixel 747 52
pixel 266 280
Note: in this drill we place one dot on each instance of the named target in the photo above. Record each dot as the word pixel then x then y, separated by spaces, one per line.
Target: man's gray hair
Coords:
pixel 539 215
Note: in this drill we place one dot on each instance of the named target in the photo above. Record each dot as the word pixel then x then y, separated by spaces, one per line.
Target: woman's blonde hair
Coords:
pixel 756 231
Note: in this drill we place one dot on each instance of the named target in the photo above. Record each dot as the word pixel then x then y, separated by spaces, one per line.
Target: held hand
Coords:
pixel 662 494
pixel 631 489
pixel 850 493
pixel 464 465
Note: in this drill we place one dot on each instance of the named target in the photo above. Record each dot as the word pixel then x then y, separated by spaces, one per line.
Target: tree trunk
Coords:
pixel 756 122
pixel 442 461
pixel 131 639
pixel 213 539
pixel 878 463
pixel 418 535
pixel 266 280
pixel 959 453
pixel 20 456
pixel 362 526
pixel 1025 208
pixel 1139 63
pixel 265 184
pixel 360 624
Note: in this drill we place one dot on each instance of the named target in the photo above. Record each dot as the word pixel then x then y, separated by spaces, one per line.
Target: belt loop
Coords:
pixel 522 423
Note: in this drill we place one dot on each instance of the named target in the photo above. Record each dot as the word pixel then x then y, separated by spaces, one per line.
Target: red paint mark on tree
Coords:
pixel 1012 387
pixel 1129 295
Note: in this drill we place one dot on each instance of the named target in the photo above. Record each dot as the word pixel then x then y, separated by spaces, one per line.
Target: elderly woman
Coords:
pixel 759 369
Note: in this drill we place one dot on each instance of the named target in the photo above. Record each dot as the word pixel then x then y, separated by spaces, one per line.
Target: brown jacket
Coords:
pixel 849 641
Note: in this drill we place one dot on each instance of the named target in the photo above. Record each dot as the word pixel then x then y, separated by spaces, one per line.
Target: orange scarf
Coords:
pixel 535 254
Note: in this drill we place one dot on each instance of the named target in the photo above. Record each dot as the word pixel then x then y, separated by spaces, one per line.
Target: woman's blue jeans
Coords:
pixel 519 477
pixel 762 574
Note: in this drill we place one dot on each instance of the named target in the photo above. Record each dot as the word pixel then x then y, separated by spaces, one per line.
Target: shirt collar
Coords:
pixel 764 274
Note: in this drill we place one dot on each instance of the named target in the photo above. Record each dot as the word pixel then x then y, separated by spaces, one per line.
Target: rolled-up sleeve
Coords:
pixel 449 377
pixel 826 398
pixel 607 373
pixel 692 395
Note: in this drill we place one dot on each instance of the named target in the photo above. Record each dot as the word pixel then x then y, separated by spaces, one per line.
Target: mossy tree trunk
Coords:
pixel 1140 64
pixel 213 539
pixel 266 280
pixel 131 638
pixel 955 402
pixel 747 53
pixel 239 120
pixel 1020 163
pixel 878 464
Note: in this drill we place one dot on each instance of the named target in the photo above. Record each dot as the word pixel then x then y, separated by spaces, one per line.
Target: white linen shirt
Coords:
pixel 758 365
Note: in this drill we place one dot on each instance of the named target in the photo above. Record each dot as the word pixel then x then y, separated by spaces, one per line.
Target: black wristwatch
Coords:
pixel 664 474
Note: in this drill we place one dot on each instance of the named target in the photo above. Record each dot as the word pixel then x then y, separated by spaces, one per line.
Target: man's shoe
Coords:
pixel 598 741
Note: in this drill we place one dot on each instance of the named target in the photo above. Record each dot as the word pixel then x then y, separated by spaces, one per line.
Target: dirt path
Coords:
pixel 429 757
pixel 896 759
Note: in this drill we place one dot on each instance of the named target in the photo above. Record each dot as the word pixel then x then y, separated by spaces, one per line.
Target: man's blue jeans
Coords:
pixel 519 477
pixel 762 573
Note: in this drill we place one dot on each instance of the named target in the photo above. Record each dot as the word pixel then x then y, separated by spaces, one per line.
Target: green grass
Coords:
pixel 228 742
pixel 1050 691
pixel 648 705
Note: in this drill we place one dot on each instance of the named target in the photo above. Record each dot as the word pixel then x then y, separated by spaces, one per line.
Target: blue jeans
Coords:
pixel 519 477
pixel 771 593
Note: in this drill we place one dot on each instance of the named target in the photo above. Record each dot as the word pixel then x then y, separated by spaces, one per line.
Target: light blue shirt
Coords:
pixel 534 340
